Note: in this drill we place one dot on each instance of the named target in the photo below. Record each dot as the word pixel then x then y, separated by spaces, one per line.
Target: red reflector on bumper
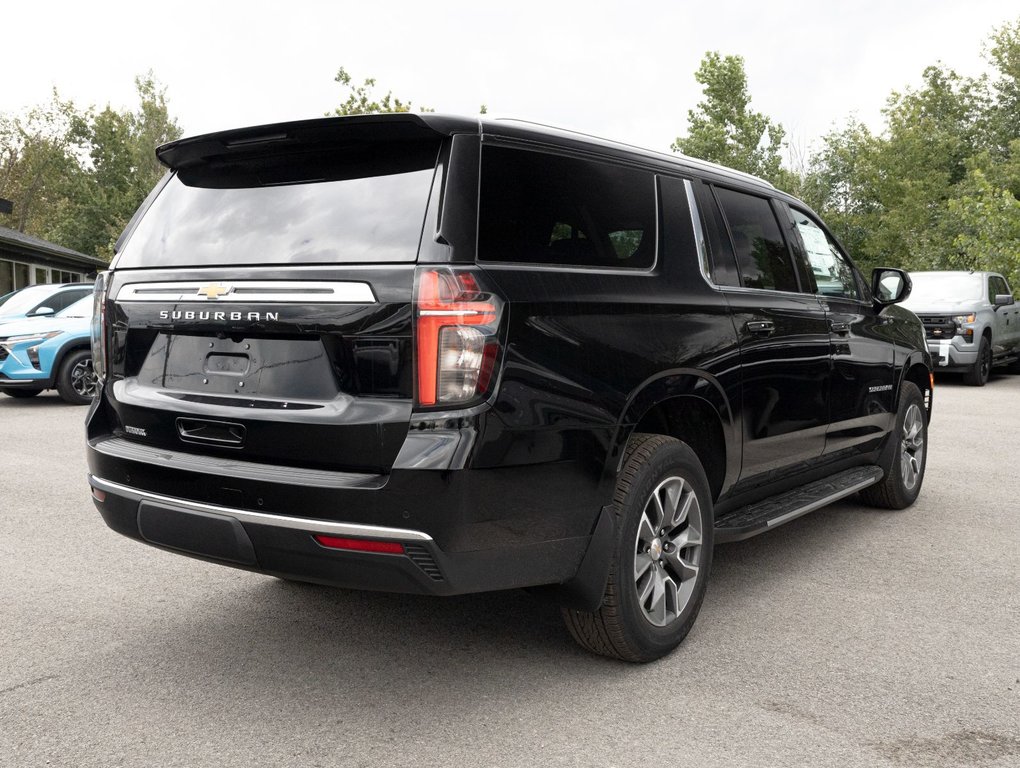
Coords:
pixel 98 495
pixel 360 545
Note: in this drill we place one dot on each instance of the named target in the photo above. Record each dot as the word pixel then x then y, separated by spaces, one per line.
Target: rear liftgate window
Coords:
pixel 364 205
pixel 541 208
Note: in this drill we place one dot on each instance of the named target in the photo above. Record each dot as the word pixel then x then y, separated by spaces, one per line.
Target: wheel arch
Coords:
pixel 64 351
pixel 918 373
pixel 691 406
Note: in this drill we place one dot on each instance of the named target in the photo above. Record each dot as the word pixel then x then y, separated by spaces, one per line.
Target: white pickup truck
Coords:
pixel 971 321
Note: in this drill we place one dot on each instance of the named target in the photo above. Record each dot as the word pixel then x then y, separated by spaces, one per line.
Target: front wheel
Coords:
pixel 661 559
pixel 76 381
pixel 903 460
pixel 977 375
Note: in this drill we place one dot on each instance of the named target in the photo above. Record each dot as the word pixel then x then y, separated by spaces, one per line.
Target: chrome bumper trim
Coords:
pixel 262 518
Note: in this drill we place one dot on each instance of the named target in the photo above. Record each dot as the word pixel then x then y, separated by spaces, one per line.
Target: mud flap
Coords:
pixel 584 591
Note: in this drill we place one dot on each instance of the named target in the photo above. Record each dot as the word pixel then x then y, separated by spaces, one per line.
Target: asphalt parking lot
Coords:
pixel 850 637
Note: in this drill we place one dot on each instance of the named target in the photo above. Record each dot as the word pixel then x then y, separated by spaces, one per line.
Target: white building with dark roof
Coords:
pixel 27 260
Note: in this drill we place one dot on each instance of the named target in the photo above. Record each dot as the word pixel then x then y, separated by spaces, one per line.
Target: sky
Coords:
pixel 622 71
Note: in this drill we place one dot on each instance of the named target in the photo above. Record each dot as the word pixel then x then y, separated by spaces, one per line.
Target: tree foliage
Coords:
pixel 362 99
pixel 37 156
pixel 76 176
pixel 723 128
pixel 939 187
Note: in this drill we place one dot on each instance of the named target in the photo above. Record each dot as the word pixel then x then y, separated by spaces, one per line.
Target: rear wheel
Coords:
pixel 76 381
pixel 977 375
pixel 661 558
pixel 22 392
pixel 904 460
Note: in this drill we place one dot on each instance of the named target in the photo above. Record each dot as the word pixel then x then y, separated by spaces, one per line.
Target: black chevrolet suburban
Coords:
pixel 429 354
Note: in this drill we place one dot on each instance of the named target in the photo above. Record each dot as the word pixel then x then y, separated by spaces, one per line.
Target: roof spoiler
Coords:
pixel 321 133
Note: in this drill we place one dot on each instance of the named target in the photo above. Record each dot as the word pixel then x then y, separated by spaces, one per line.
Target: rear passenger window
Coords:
pixel 762 257
pixel 541 208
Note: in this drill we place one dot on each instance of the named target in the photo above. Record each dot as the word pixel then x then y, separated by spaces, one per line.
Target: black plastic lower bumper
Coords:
pixel 286 547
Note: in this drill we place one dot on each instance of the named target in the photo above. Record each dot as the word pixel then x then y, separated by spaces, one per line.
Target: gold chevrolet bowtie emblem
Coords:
pixel 214 290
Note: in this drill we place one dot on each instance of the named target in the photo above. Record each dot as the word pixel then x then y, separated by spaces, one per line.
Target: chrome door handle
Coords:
pixel 760 327
pixel 838 326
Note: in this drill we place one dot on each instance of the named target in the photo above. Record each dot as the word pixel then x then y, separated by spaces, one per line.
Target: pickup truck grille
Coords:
pixel 938 326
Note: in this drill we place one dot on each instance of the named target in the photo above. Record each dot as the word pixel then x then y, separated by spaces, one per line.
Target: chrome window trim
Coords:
pixel 251 291
pixel 699 234
pixel 261 518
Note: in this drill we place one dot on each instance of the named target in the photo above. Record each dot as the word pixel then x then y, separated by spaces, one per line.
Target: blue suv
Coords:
pixel 47 352
pixel 41 300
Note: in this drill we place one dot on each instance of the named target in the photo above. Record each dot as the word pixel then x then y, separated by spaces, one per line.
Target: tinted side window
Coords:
pixel 723 266
pixel 997 287
pixel 831 270
pixel 762 257
pixel 545 209
pixel 64 299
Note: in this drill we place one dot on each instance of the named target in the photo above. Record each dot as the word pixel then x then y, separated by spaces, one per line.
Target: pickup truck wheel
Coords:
pixel 904 460
pixel 978 374
pixel 661 559
pixel 76 381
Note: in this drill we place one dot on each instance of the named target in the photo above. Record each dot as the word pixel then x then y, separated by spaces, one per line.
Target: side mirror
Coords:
pixel 42 311
pixel 890 286
pixel 1003 300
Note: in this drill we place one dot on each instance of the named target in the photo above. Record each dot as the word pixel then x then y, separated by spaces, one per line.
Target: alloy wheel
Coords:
pixel 912 447
pixel 83 379
pixel 667 551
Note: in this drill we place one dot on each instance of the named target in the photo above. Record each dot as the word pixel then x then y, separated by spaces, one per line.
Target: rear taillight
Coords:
pixel 456 342
pixel 98 331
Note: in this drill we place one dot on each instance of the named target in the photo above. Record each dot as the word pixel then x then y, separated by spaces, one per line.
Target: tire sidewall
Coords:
pixel 909 395
pixel 64 384
pixel 980 373
pixel 673 458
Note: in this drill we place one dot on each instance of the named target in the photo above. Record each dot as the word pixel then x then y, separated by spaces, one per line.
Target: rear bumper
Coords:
pixel 283 545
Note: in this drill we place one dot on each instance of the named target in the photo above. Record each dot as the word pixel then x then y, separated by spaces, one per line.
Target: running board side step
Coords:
pixel 745 522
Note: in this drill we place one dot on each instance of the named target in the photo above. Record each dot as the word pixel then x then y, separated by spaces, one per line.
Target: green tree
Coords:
pixel 840 184
pixel 362 100
pixel 76 176
pixel 38 153
pixel 986 210
pixel 1004 114
pixel 937 188
pixel 120 170
pixel 723 128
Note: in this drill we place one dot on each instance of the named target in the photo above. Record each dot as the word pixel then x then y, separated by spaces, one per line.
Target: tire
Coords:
pixel 656 582
pixel 76 381
pixel 21 393
pixel 905 458
pixel 977 375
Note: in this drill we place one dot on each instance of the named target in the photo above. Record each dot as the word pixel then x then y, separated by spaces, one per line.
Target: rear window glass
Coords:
pixel 541 208
pixel 309 209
